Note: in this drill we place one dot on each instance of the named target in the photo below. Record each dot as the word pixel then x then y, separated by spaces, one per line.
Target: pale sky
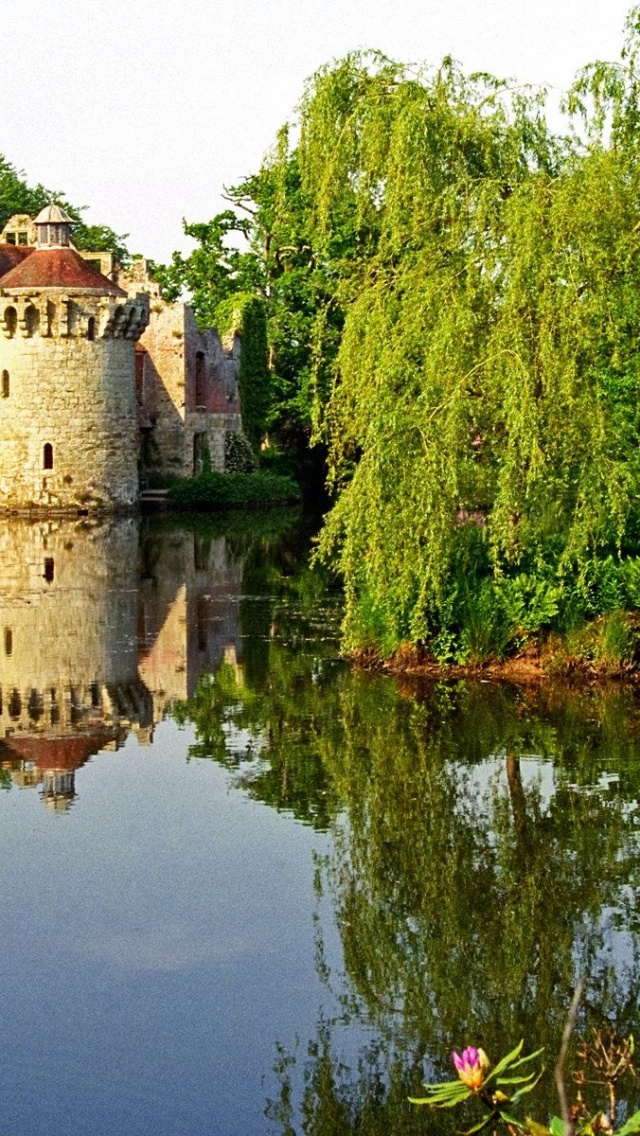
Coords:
pixel 143 111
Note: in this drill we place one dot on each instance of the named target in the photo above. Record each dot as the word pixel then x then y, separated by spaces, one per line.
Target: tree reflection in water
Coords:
pixel 485 853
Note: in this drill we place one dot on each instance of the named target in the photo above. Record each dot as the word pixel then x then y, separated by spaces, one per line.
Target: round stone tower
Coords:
pixel 68 412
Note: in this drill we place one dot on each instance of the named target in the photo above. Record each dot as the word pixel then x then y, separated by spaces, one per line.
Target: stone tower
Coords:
pixel 68 410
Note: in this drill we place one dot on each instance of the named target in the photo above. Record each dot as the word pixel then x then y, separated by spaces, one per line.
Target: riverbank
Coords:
pixel 607 649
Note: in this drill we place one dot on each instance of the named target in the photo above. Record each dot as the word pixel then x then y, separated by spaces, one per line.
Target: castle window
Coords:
pixel 49 568
pixel 200 380
pixel 91 328
pixel 8 641
pixel 47 459
pixel 10 321
pixel 31 319
pixel 15 705
pixel 199 448
pixel 11 238
pixel 23 239
pixel 35 706
pixel 5 384
pixel 140 354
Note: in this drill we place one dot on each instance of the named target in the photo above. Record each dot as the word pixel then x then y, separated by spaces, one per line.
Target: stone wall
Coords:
pixel 68 427
pixel 188 392
pixel 19 230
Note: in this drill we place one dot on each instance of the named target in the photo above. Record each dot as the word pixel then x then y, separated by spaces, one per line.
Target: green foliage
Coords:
pixel 238 455
pixel 529 601
pixel 212 272
pixel 497 1102
pixel 611 1059
pixel 213 490
pixel 254 379
pixel 16 196
pixel 487 373
pixel 279 265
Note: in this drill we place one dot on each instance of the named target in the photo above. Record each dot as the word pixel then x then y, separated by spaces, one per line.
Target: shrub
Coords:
pixel 238 454
pixel 212 490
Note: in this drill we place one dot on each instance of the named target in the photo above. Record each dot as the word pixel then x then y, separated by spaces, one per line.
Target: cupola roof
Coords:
pixel 61 268
pixel 53 215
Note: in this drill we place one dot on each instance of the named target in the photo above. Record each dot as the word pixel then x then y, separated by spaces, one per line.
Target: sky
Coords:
pixel 143 111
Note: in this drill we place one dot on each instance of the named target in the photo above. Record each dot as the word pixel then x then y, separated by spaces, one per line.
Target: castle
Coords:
pixel 102 383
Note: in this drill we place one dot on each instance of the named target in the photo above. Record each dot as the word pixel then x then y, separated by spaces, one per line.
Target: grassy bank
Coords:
pixel 607 647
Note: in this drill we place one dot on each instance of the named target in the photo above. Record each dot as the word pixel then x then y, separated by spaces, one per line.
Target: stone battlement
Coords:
pixel 72 317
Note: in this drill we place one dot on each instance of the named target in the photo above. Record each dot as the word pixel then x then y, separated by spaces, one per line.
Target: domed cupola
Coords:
pixel 53 227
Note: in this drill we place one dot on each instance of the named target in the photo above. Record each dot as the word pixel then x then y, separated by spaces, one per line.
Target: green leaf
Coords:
pixel 508 1119
pixel 537 1129
pixel 529 1057
pixel 515 1080
pixel 557 1126
pixel 445 1087
pixel 454 1089
pixel 526 1088
pixel 480 1125
pixel 444 1100
pixel 506 1062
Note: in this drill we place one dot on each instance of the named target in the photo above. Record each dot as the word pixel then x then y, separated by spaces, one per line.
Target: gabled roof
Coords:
pixel 56 268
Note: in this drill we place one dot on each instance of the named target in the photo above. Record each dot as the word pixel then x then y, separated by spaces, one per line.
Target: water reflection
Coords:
pixel 485 855
pixel 483 845
pixel 101 628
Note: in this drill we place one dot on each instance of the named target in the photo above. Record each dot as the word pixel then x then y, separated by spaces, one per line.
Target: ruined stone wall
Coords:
pixel 19 229
pixel 162 390
pixel 68 425
pixel 189 398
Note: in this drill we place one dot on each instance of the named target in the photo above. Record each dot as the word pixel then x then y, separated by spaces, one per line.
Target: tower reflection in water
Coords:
pixel 102 627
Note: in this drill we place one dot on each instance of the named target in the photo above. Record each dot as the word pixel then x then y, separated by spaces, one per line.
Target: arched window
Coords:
pixel 48 456
pixel 31 319
pixel 8 641
pixel 35 705
pixel 140 354
pixel 5 384
pixel 200 380
pixel 91 328
pixel 10 321
pixel 49 569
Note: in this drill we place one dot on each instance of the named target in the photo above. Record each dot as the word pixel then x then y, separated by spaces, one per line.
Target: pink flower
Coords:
pixel 472 1067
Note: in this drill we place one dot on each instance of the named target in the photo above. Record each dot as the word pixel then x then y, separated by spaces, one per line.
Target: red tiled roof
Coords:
pixel 10 255
pixel 59 752
pixel 57 268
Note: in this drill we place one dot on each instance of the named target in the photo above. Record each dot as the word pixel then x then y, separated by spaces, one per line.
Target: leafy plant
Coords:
pixel 478 1080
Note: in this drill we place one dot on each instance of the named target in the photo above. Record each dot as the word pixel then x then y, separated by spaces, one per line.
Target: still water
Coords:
pixel 247 890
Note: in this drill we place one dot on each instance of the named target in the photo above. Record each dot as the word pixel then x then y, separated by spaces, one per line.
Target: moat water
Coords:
pixel 246 889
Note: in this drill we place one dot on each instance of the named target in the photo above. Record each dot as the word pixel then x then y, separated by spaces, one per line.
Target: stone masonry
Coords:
pixel 102 382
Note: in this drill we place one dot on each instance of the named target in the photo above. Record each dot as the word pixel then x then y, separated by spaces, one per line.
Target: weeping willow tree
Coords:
pixel 483 424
